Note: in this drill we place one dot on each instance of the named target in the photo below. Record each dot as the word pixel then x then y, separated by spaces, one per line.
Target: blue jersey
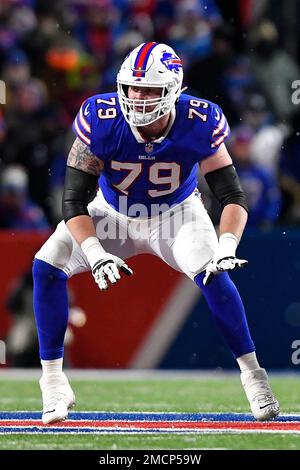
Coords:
pixel 163 171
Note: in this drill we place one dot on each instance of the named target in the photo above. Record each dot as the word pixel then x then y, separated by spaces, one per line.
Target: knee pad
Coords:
pixel 198 259
pixel 193 250
pixel 55 252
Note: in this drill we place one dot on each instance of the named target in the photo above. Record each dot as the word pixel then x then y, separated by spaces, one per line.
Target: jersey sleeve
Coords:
pixel 220 129
pixel 82 125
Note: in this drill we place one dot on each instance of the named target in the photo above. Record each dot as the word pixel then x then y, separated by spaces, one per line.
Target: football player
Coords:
pixel 143 146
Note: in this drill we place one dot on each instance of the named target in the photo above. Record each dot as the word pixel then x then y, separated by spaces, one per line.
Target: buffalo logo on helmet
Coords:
pixel 171 62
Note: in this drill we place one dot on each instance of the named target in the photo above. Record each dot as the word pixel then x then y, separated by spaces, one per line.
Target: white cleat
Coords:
pixel 58 398
pixel 262 401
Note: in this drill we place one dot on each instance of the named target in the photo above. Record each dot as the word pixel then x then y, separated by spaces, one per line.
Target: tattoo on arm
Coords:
pixel 82 158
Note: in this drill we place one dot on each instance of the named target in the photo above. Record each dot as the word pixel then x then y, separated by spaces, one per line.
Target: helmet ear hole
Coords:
pixel 125 89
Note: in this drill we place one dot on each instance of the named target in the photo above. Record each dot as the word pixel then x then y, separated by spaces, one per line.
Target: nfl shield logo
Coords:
pixel 149 148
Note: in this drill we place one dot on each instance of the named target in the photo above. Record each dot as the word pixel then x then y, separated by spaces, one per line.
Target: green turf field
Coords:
pixel 186 394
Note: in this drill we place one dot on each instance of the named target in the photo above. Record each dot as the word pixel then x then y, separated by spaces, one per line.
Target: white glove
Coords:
pixel 224 258
pixel 105 266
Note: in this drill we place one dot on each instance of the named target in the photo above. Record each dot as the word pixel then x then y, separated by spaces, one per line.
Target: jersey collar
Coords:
pixel 140 139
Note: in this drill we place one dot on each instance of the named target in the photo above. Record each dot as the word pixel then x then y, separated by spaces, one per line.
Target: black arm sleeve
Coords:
pixel 225 185
pixel 79 189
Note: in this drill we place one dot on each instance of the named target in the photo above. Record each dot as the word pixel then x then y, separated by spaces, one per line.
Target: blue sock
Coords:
pixel 228 311
pixel 50 303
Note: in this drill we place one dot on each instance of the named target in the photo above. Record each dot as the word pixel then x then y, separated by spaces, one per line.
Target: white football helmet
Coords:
pixel 150 65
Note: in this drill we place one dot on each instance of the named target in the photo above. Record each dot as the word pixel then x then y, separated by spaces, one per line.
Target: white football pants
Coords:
pixel 183 237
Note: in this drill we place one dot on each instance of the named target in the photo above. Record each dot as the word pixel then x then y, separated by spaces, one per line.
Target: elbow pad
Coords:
pixel 225 185
pixel 79 190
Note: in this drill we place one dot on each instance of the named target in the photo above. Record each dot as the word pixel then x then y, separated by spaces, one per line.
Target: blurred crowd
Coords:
pixel 54 54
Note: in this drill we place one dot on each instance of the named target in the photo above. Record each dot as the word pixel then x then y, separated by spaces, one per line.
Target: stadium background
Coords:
pixel 244 55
